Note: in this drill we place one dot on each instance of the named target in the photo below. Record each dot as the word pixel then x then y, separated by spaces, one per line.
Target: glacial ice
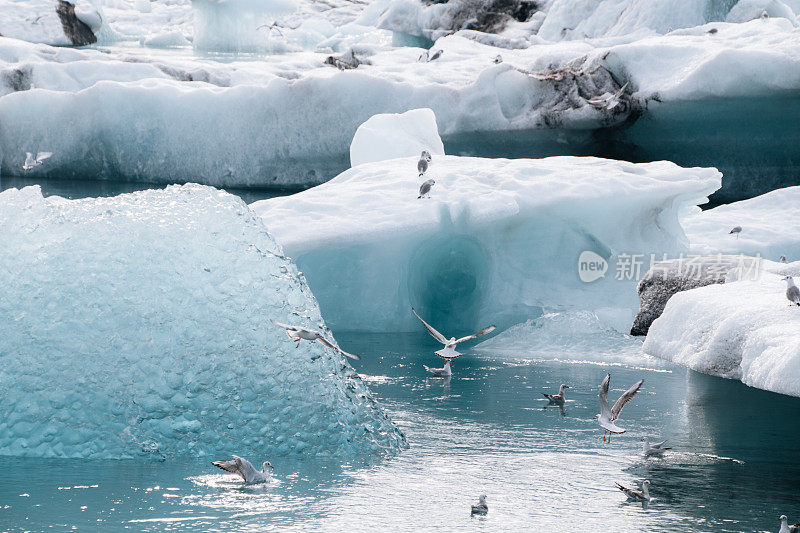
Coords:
pixel 140 325
pixel 498 241
pixel 743 329
pixel 389 136
pixel 770 226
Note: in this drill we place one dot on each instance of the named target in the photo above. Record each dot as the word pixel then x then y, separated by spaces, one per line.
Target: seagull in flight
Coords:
pixel 31 162
pixel 449 351
pixel 633 494
pixel 786 528
pixel 481 507
pixel 653 450
pixel 608 415
pixel 792 292
pixel 298 333
pixel 608 102
pixel 245 470
pixel 557 399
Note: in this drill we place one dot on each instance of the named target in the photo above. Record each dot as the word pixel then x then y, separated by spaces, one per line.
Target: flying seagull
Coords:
pixel 297 333
pixel 640 495
pixel 245 470
pixel 792 292
pixel 425 188
pixel 481 507
pixel 445 372
pixel 786 528
pixel 424 160
pixel 609 102
pixel 735 231
pixel 608 414
pixel 31 161
pixel 449 350
pixel 557 399
pixel 653 450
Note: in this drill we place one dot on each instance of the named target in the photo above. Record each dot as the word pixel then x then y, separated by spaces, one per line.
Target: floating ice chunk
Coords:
pixel 140 324
pixel 498 240
pixel 770 226
pixel 389 136
pixel 743 330
pixel 170 39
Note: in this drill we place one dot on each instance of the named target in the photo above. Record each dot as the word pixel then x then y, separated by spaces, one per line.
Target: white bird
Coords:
pixel 425 188
pixel 653 450
pixel 792 292
pixel 608 102
pixel 424 160
pixel 297 333
pixel 640 495
pixel 557 399
pixel 608 415
pixel 786 528
pixel 735 231
pixel 449 350
pixel 497 59
pixel 481 507
pixel 245 470
pixel 783 259
pixel 31 161
pixel 445 372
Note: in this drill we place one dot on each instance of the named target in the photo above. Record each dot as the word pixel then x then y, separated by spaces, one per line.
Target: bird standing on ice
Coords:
pixel 792 292
pixel 481 507
pixel 31 162
pixel 425 188
pixel 608 415
pixel 424 160
pixel 298 333
pixel 557 399
pixel 735 231
pixel 639 495
pixel 245 470
pixel 653 450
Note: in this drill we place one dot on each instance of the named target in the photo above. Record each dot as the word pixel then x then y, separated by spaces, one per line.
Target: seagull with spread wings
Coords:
pixel 245 469
pixel 449 350
pixel 298 333
pixel 608 415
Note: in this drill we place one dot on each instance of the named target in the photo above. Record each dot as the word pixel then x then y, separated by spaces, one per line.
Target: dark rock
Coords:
pixel 76 31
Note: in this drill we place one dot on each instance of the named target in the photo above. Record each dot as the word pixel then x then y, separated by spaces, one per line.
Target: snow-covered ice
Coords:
pixel 389 136
pixel 770 226
pixel 499 240
pixel 141 324
pixel 743 329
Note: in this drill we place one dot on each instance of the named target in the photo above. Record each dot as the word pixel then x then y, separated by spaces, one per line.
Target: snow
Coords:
pixel 498 241
pixel 741 329
pixel 770 226
pixel 141 325
pixel 394 135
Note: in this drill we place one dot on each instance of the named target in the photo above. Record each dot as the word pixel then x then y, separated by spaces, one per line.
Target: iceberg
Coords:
pixel 498 242
pixel 141 325
pixel 743 329
pixel 390 136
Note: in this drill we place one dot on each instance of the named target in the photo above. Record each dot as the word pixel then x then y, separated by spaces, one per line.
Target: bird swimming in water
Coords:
pixel 425 188
pixel 297 333
pixel 444 372
pixel 736 231
pixel 792 292
pixel 557 399
pixel 449 350
pixel 481 507
pixel 608 415
pixel 639 495
pixel 786 528
pixel 31 162
pixel 653 450
pixel 424 160
pixel 245 470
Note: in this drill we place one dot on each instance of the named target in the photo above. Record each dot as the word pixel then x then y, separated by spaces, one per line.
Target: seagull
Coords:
pixel 445 372
pixel 783 259
pixel 609 102
pixel 792 292
pixel 31 162
pixel 481 507
pixel 436 55
pixel 424 160
pixel 425 188
pixel 764 14
pixel 497 59
pixel 735 231
pixel 557 399
pixel 641 495
pixel 296 333
pixel 449 352
pixel 786 528
pixel 245 470
pixel 608 415
pixel 712 31
pixel 653 450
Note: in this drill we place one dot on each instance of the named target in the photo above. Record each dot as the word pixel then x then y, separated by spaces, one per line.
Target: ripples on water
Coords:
pixel 734 467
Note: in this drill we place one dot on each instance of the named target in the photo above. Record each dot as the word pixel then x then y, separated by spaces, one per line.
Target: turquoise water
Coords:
pixel 734 466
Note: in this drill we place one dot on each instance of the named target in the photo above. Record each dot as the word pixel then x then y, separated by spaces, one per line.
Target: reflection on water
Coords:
pixel 734 466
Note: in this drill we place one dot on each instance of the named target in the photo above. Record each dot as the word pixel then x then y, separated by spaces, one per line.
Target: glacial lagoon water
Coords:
pixel 734 466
